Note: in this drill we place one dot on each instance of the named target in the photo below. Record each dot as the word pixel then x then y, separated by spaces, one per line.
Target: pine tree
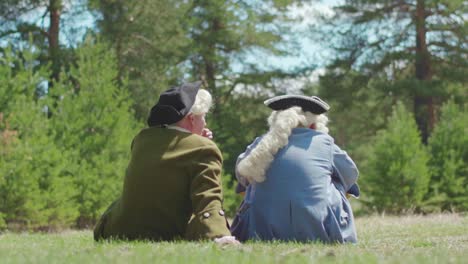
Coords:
pixel 150 44
pixel 396 176
pixel 35 191
pixel 161 43
pixel 93 119
pixel 21 20
pixel 415 47
pixel 449 159
pixel 223 34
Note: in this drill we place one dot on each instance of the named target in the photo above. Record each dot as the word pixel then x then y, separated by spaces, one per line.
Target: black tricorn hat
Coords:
pixel 311 104
pixel 173 104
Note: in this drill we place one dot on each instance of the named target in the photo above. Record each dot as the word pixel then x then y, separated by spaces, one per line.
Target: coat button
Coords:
pixel 206 215
pixel 221 212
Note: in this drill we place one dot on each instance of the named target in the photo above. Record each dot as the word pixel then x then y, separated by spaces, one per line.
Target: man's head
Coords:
pixel 184 106
pixel 194 121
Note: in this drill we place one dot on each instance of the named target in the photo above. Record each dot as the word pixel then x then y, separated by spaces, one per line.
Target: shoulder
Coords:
pixel 201 142
pixel 177 140
pixel 148 133
pixel 322 137
pixel 202 145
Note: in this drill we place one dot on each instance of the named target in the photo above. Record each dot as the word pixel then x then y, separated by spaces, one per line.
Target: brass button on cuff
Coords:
pixel 221 212
pixel 206 215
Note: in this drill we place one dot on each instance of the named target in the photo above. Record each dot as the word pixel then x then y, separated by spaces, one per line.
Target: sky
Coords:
pixel 79 20
pixel 307 52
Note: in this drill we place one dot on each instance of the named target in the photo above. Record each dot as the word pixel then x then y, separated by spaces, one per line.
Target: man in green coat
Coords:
pixel 172 188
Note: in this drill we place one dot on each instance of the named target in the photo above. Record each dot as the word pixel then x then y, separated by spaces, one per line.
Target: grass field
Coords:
pixel 408 239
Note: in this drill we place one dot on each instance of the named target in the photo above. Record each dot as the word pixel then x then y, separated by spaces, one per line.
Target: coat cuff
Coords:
pixel 208 224
pixel 354 190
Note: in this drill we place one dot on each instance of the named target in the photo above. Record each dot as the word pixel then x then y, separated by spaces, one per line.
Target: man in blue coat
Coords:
pixel 296 178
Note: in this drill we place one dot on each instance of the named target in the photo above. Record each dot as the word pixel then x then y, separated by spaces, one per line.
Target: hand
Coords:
pixel 227 240
pixel 207 133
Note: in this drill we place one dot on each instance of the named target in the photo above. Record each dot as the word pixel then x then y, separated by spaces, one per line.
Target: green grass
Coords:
pixel 407 239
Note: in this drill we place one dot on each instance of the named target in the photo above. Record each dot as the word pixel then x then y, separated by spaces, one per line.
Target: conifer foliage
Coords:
pixel 396 177
pixel 35 191
pixel 62 155
pixel 69 107
pixel 449 159
pixel 94 122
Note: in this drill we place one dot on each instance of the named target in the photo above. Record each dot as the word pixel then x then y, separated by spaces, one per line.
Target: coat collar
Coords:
pixel 178 128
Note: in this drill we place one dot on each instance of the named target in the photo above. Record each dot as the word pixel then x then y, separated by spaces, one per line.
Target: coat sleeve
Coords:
pixel 346 171
pixel 208 220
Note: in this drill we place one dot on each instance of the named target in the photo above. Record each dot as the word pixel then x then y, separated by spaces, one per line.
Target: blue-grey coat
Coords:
pixel 304 195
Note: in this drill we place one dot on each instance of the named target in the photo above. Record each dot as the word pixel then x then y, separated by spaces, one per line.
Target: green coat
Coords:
pixel 172 190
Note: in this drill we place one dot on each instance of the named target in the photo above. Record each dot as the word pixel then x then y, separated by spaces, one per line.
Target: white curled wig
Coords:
pixel 281 123
pixel 203 103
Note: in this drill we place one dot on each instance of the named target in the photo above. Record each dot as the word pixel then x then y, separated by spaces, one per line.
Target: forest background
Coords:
pixel 71 97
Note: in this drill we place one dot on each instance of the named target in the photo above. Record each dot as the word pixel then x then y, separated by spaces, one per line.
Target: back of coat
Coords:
pixel 298 200
pixel 172 190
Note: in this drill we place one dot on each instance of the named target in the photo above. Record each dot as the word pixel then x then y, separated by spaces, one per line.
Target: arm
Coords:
pixel 208 220
pixel 345 171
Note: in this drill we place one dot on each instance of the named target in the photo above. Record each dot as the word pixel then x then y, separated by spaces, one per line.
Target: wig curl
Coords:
pixel 281 123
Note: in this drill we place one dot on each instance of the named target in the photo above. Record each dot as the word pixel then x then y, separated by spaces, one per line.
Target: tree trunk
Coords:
pixel 210 66
pixel 55 7
pixel 423 103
